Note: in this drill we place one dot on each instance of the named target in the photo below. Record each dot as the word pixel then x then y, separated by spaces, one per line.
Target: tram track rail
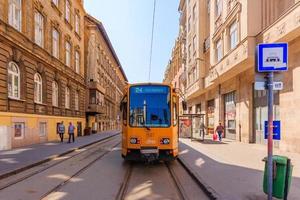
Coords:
pixel 123 189
pixel 180 188
pixel 93 147
pixel 80 171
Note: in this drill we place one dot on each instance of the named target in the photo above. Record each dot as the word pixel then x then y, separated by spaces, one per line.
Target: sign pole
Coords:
pixel 270 134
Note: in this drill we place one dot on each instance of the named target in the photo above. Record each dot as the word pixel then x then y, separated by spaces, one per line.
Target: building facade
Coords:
pixel 41 69
pixel 221 66
pixel 105 78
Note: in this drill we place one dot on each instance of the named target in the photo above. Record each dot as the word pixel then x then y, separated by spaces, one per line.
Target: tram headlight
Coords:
pixel 134 141
pixel 165 141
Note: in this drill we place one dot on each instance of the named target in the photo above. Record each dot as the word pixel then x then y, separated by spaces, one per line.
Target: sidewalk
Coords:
pixel 15 160
pixel 232 170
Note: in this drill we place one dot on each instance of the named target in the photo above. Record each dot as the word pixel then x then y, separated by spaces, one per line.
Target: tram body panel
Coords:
pixel 157 137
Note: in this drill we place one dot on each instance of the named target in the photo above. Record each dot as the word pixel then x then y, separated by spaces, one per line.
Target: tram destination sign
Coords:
pixel 272 57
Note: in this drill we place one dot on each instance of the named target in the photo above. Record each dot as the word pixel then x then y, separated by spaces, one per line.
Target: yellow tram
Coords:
pixel 149 122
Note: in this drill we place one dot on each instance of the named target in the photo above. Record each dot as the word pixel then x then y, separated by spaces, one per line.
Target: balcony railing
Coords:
pixel 206 44
pixel 95 108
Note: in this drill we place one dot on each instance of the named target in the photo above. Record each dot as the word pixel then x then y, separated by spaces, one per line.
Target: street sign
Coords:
pixel 260 86
pixel 277 85
pixel 261 81
pixel 276 130
pixel 272 57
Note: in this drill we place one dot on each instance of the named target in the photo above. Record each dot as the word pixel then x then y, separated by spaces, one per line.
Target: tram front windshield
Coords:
pixel 150 106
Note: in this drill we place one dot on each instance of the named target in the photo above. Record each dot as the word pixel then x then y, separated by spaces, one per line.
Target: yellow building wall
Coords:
pixel 32 127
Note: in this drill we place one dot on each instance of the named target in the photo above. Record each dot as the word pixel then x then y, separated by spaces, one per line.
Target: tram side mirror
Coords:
pixel 184 105
pixel 122 105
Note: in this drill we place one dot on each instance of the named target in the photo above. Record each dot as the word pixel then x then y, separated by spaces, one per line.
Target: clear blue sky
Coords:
pixel 128 24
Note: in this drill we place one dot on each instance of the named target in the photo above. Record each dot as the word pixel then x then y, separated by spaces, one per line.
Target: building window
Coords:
pixel 194 44
pixel 15 14
pixel 43 129
pixel 190 52
pixel 208 7
pixel 194 12
pixel 189 24
pixel 77 62
pixel 219 50
pixel 76 100
pixel 13 82
pixel 39 29
pixel 68 11
pixel 67 98
pixel 233 35
pixel 19 130
pixel 54 93
pixel 77 24
pixel 38 92
pixel 218 7
pixel 55 43
pixel 68 54
pixel 55 2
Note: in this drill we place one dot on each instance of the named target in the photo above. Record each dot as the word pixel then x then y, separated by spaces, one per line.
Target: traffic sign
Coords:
pixel 276 130
pixel 277 85
pixel 272 57
pixel 260 86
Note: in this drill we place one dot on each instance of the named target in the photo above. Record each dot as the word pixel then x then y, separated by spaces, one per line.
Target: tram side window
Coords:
pixel 175 114
pixel 124 110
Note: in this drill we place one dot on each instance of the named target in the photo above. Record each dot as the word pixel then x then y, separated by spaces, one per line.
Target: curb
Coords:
pixel 209 191
pixel 49 158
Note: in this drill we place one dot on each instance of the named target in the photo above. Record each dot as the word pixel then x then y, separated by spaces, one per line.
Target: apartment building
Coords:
pixel 41 69
pixel 221 39
pixel 175 72
pixel 105 78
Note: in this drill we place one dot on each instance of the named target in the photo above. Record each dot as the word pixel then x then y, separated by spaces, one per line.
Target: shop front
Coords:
pixel 230 115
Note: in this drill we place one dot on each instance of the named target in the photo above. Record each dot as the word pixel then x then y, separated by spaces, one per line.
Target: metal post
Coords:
pixel 270 135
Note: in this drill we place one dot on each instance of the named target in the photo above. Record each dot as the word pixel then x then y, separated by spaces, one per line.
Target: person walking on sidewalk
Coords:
pixel 202 129
pixel 220 130
pixel 61 131
pixel 71 131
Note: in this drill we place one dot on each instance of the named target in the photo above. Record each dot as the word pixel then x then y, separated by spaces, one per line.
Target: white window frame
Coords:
pixel 219 50
pixel 68 53
pixel 38 88
pixel 77 62
pixel 218 8
pixel 55 43
pixel 39 29
pixel 13 86
pixel 233 29
pixel 194 11
pixel 67 98
pixel 76 98
pixel 55 2
pixel 55 94
pixel 68 11
pixel 15 14
pixel 22 127
pixel 42 129
pixel 77 23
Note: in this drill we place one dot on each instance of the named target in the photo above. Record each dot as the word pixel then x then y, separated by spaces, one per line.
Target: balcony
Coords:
pixel 95 109
pixel 234 62
pixel 194 89
pixel 285 28
pixel 96 86
pixel 206 44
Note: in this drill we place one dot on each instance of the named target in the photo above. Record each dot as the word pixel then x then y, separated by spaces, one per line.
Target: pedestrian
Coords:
pixel 202 129
pixel 71 131
pixel 61 131
pixel 220 130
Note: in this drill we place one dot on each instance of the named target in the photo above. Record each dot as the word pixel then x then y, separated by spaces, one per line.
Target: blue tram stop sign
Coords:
pixel 272 57
pixel 276 130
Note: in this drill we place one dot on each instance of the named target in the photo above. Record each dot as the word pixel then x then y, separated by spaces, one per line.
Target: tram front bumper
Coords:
pixel 149 154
